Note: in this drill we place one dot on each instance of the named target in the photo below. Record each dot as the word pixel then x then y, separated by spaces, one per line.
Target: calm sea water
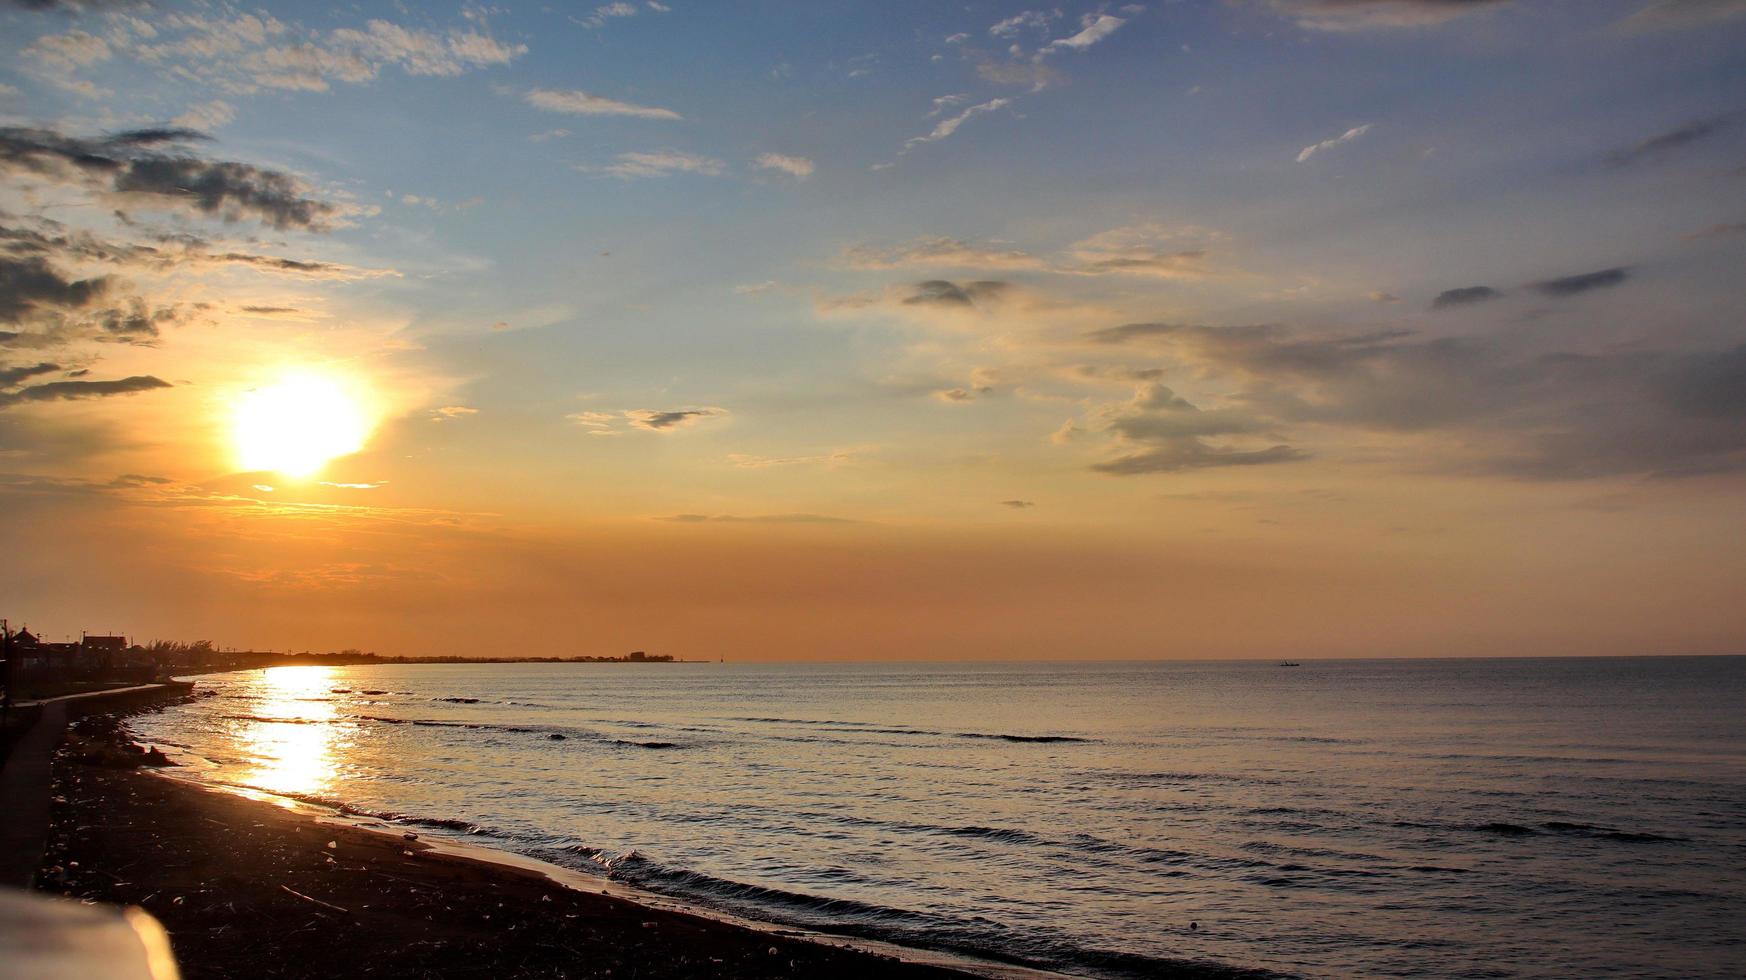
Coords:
pixel 1520 818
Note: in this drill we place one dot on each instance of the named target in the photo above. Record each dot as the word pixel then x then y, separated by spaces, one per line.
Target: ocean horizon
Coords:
pixel 1532 817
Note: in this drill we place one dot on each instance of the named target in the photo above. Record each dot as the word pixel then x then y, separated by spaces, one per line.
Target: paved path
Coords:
pixel 24 782
pixel 24 796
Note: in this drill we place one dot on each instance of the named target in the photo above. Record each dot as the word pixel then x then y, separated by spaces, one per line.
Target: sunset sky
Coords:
pixel 1255 328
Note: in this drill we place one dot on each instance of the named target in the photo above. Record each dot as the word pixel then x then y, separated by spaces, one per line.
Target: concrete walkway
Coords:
pixel 24 796
pixel 24 782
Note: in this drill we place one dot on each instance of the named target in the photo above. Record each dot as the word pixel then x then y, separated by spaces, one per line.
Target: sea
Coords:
pixel 1359 818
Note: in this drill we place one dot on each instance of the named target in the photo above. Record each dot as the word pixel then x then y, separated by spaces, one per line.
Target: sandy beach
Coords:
pixel 246 888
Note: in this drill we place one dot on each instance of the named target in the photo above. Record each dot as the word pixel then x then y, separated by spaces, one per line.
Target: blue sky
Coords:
pixel 1344 292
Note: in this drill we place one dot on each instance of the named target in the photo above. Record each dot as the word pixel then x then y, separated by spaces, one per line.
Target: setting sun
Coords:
pixel 887 489
pixel 297 425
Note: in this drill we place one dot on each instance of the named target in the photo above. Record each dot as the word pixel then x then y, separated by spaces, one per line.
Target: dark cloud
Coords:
pixel 50 240
pixel 1571 285
pixel 137 323
pixel 1663 143
pixel 940 292
pixel 10 376
pixel 1464 296
pixel 68 390
pixel 1173 434
pixel 664 421
pixel 1018 504
pixel 302 267
pixel 30 283
pixel 268 310
pixel 1560 415
pixel 160 136
pixel 136 164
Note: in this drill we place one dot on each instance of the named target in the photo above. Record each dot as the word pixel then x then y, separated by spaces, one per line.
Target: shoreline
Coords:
pixel 191 774
pixel 136 837
pixel 502 860
pixel 249 887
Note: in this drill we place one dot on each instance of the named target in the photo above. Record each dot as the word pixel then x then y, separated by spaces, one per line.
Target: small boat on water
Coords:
pixel 1289 663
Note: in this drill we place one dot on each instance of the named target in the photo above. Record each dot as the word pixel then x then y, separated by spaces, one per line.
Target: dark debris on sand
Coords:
pixel 247 889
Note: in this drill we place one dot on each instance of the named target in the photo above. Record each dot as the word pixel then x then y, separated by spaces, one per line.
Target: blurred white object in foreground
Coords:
pixel 52 939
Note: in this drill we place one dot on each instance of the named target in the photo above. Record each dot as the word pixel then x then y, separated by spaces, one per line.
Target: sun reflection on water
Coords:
pixel 291 745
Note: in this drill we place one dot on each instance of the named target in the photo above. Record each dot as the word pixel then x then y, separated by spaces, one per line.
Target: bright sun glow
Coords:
pixel 297 424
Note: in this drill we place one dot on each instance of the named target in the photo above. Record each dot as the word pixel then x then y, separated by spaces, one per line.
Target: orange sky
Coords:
pixel 1202 330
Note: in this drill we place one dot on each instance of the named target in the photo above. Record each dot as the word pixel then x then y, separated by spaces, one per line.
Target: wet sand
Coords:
pixel 249 889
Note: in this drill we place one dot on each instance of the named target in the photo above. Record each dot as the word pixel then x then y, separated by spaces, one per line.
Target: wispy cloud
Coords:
pixel 946 127
pixel 658 163
pixel 1028 20
pixel 1093 28
pixel 1148 249
pixel 839 457
pixel 578 102
pixel 793 166
pixel 607 12
pixel 1681 14
pixel 757 519
pixel 242 53
pixel 1664 143
pixel 207 116
pixel 1356 15
pixel 1328 144
pixel 941 253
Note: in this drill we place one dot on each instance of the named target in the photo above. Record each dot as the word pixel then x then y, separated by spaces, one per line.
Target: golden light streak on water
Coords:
pixel 290 746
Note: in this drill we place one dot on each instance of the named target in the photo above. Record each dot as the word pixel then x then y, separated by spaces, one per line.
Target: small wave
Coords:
pixel 445 823
pixel 436 723
pixel 1505 829
pixel 1003 834
pixel 975 935
pixel 1560 828
pixel 355 810
pixel 1024 738
pixel 458 700
pixel 644 745
pixel 643 871
pixel 1605 833
pixel 278 721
